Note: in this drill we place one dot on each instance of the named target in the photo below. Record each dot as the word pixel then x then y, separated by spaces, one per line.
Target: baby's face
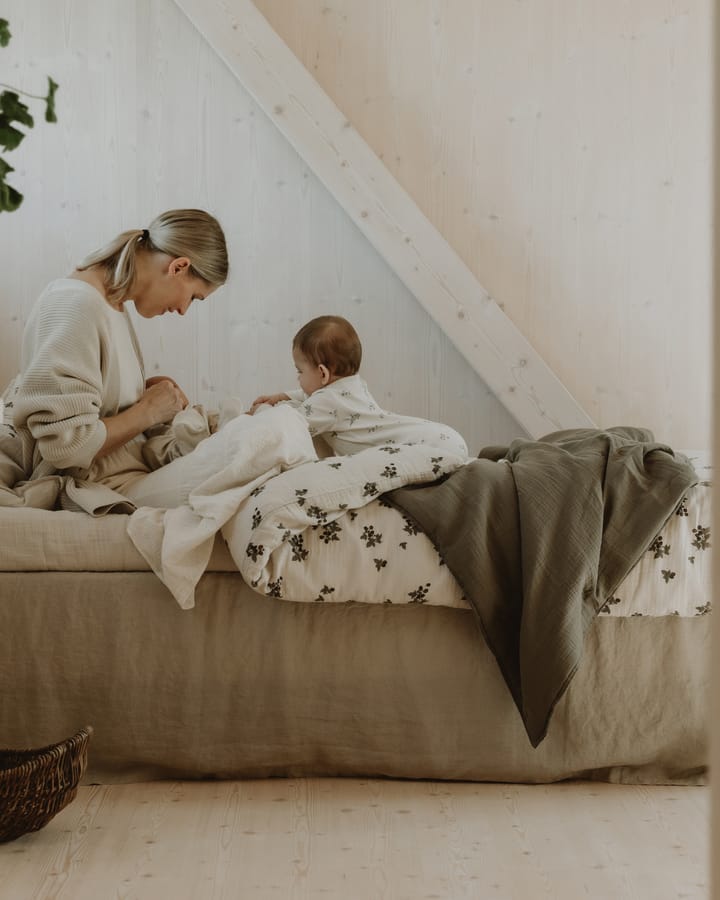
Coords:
pixel 309 375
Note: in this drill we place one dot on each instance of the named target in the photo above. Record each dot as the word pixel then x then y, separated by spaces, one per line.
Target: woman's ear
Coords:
pixel 324 374
pixel 179 265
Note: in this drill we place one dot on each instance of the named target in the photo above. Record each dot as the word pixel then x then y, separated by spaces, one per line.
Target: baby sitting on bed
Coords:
pixel 336 401
pixel 333 398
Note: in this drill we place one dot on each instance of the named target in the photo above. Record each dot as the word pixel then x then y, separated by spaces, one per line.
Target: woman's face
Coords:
pixel 168 285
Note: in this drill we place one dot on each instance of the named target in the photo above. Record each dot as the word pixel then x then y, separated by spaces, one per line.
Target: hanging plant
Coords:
pixel 14 112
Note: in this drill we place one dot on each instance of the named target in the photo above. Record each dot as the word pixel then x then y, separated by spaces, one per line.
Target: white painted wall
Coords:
pixel 151 119
pixel 565 157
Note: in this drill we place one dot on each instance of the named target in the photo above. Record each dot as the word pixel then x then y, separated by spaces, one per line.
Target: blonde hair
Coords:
pixel 193 233
pixel 330 341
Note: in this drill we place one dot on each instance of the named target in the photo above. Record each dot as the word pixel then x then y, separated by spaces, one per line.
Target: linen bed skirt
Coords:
pixel 248 686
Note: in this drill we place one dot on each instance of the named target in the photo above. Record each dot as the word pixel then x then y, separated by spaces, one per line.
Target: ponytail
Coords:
pixel 179 232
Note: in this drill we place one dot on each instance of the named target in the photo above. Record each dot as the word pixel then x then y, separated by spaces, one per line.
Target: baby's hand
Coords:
pixel 270 399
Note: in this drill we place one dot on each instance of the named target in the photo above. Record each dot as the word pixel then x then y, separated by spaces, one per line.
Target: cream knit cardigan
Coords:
pixel 70 378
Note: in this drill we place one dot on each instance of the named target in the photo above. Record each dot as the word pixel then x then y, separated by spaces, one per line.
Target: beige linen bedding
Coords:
pixel 37 540
pixel 250 686
pixel 245 685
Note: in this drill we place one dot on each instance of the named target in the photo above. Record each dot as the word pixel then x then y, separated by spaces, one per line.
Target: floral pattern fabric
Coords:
pixel 306 534
pixel 673 577
pixel 324 533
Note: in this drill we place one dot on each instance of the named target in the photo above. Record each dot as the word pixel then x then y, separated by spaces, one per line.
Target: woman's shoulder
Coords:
pixel 69 313
pixel 73 290
pixel 72 299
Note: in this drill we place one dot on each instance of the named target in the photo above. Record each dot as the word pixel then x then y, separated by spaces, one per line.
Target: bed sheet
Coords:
pixel 372 554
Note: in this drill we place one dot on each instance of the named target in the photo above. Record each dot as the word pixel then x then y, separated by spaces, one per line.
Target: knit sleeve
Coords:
pixel 59 395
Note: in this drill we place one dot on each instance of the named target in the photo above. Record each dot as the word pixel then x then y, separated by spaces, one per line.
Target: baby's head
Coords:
pixel 325 349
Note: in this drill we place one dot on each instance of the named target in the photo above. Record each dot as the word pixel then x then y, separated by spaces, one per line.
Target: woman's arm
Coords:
pixel 159 403
pixel 60 395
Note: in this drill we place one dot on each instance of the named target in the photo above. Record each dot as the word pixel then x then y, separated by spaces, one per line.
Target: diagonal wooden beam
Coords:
pixel 385 213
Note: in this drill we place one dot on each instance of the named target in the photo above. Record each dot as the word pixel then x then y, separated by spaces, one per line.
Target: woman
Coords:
pixel 81 405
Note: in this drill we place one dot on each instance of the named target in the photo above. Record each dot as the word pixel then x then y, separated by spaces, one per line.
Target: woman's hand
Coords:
pixel 161 401
pixel 156 379
pixel 270 399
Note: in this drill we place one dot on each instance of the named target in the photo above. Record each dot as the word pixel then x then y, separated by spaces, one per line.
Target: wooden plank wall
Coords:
pixel 563 149
pixel 386 214
pixel 564 156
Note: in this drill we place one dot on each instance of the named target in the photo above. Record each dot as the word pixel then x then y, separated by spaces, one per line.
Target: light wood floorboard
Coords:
pixel 336 838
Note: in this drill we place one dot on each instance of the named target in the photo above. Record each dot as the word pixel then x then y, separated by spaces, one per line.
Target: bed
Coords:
pixel 378 671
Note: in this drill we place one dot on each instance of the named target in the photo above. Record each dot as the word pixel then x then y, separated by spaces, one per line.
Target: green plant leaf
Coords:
pixel 13 107
pixel 9 137
pixel 10 199
pixel 50 101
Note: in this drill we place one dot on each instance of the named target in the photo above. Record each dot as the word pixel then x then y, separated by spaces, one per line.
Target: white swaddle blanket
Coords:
pixel 243 454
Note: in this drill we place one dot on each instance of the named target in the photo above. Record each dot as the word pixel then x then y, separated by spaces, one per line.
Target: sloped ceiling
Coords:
pixel 385 214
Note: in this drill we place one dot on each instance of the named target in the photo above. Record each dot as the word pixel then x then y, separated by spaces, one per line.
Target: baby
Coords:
pixel 336 401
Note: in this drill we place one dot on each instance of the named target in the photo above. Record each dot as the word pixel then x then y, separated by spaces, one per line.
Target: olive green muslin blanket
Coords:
pixel 539 535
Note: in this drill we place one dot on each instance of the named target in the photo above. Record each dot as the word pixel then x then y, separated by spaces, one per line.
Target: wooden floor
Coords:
pixel 347 839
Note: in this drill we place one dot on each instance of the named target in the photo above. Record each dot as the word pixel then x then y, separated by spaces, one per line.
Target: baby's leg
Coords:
pixel 435 434
pixel 446 437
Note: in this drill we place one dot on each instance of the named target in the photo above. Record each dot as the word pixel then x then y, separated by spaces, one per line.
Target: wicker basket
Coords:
pixel 37 784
